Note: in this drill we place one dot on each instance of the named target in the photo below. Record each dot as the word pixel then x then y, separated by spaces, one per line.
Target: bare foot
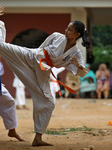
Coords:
pixel 17 107
pixel 38 141
pixel 25 107
pixel 12 133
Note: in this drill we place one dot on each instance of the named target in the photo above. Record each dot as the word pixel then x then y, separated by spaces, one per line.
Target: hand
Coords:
pixel 74 60
pixel 2 9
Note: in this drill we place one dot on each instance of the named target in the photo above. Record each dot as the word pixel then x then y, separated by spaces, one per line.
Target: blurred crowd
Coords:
pixel 93 85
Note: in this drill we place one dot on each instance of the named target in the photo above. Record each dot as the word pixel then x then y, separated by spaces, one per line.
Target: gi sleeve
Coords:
pixel 76 71
pixel 1 69
pixel 2 32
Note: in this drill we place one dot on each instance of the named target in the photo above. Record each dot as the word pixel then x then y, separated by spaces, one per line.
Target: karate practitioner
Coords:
pixel 8 110
pixel 20 93
pixel 33 67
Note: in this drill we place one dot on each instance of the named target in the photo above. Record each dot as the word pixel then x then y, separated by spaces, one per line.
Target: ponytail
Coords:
pixel 80 28
pixel 86 43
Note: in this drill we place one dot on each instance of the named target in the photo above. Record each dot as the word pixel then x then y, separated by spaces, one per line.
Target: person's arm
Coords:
pixel 2 27
pixel 108 74
pixel 2 9
pixel 2 32
pixel 97 75
pixel 1 68
pixel 76 66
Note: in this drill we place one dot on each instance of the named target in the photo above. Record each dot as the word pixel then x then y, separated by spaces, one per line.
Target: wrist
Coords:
pixel 80 67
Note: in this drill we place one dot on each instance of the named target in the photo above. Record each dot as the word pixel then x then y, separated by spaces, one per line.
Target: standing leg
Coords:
pixel 38 141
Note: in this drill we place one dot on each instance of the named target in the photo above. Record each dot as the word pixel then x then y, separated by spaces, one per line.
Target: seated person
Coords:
pixel 103 81
pixel 88 84
pixel 74 83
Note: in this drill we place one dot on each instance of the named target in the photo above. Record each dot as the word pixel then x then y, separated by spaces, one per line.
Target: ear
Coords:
pixel 77 35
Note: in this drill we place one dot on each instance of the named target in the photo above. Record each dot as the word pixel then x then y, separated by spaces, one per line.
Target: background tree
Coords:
pixel 102 45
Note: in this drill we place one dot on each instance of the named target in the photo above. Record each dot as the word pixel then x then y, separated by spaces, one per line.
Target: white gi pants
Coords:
pixel 24 64
pixel 20 91
pixel 8 109
pixel 20 96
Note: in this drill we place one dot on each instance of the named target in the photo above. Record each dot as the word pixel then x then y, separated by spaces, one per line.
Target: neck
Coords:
pixel 71 42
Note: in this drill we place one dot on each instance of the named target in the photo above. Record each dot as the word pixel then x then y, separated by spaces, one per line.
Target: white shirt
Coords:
pixel 55 46
pixel 1 69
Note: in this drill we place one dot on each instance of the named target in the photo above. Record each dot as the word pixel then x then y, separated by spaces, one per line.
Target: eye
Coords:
pixel 69 29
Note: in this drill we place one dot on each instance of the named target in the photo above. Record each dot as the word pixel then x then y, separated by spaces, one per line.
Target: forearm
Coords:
pixel 2 32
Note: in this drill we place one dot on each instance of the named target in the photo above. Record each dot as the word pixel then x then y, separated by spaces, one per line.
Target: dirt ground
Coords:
pixel 68 113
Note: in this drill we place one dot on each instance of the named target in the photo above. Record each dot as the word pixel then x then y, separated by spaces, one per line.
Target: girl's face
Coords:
pixel 102 67
pixel 71 33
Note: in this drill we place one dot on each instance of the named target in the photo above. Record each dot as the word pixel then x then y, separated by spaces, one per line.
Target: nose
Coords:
pixel 65 31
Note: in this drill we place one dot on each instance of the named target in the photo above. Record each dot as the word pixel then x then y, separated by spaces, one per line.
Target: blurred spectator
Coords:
pixel 54 85
pixel 74 83
pixel 20 93
pixel 103 81
pixel 110 94
pixel 110 90
pixel 88 84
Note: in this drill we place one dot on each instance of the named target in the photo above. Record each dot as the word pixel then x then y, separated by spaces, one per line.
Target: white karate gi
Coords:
pixel 20 91
pixel 53 85
pixel 7 107
pixel 24 62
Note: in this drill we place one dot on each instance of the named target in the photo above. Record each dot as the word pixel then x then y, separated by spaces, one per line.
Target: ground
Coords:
pixel 69 113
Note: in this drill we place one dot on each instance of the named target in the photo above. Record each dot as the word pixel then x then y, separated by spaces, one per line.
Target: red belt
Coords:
pixel 59 92
pixel 49 62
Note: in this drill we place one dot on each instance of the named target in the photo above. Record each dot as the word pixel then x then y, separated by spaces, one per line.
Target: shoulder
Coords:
pixel 57 34
pixel 97 72
pixel 108 72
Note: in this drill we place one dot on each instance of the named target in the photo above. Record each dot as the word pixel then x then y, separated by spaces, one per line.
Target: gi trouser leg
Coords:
pixel 8 109
pixel 23 63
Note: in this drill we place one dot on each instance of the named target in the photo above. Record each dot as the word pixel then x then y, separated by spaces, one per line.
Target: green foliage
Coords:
pixel 54 132
pixel 62 131
pixel 102 45
pixel 101 35
pixel 84 128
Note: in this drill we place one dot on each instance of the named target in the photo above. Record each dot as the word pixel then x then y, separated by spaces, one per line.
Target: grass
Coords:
pixel 54 132
pixel 83 128
pixel 63 131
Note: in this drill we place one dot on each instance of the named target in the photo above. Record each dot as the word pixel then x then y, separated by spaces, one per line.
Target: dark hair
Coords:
pixel 80 28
